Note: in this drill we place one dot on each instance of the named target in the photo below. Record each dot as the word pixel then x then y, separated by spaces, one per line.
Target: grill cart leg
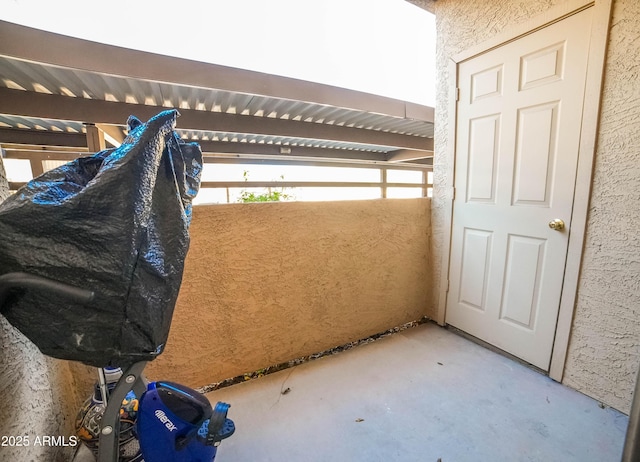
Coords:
pixel 132 379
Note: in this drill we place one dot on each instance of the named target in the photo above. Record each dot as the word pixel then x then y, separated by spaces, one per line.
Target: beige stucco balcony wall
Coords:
pixel 269 282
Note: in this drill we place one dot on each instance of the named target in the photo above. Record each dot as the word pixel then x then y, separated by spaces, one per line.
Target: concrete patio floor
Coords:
pixel 420 395
pixel 424 394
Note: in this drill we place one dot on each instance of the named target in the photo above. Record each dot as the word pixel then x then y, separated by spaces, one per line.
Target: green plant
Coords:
pixel 269 195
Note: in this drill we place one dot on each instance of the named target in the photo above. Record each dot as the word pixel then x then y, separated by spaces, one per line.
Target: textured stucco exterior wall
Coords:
pixel 267 283
pixel 428 5
pixel 38 398
pixel 37 394
pixel 4 185
pixel 605 344
pixel 604 351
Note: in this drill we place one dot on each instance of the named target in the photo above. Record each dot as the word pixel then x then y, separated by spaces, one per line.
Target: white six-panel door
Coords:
pixel 517 140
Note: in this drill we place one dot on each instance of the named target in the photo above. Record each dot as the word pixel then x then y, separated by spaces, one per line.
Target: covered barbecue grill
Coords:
pixel 115 224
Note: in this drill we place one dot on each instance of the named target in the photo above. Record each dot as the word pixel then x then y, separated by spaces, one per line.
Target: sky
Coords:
pixel 385 47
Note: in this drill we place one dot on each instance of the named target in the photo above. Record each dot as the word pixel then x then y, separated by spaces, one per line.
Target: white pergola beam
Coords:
pixel 404 155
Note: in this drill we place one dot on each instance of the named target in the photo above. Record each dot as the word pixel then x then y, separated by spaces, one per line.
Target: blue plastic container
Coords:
pixel 173 424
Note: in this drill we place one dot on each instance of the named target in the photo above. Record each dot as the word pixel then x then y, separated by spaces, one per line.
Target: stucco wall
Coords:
pixel 4 185
pixel 38 398
pixel 37 394
pixel 428 5
pixel 266 283
pixel 604 351
pixel 605 345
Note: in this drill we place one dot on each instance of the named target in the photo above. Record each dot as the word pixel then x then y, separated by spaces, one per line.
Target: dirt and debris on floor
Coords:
pixel 294 362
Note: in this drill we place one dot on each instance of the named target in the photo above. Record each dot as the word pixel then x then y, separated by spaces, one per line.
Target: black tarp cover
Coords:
pixel 115 223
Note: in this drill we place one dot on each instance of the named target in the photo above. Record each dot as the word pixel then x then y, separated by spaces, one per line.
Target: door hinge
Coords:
pixel 457 94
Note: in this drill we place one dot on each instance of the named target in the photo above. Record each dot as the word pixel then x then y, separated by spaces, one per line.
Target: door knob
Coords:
pixel 557 224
